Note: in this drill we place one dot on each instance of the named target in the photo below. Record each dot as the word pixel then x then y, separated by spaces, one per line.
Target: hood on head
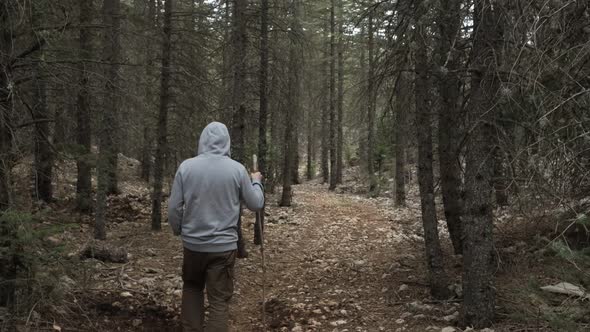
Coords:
pixel 215 140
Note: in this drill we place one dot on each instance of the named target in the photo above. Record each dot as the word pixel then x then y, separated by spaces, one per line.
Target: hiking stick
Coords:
pixel 259 218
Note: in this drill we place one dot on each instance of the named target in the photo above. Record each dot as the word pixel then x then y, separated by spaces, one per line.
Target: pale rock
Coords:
pixel 400 321
pixel 448 329
pixel 360 263
pixel 317 311
pixel 177 292
pixel 297 328
pixel 419 316
pixel 487 329
pixel 406 315
pixel 53 240
pixel 403 287
pixel 338 322
pixel 126 294
pixel 452 317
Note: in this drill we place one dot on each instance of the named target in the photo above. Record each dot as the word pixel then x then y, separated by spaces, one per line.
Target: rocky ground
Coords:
pixel 334 262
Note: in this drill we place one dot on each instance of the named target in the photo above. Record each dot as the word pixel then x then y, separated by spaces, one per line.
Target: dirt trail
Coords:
pixel 335 262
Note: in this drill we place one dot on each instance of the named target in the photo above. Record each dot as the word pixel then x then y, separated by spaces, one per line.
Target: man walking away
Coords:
pixel 204 208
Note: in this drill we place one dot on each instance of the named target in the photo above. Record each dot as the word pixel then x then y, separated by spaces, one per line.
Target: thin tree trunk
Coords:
pixel 43 154
pixel 113 102
pixel 448 133
pixel 333 120
pixel 340 117
pixel 146 147
pixel 83 118
pixel 162 143
pixel 437 275
pixel 325 157
pixel 294 103
pixel 401 104
pixel 110 13
pixel 296 156
pixel 262 117
pixel 371 108
pixel 478 270
pixel 7 262
pixel 362 134
pixel 309 171
pixel 240 44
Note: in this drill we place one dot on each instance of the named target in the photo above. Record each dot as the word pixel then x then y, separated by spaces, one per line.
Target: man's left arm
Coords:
pixel 176 205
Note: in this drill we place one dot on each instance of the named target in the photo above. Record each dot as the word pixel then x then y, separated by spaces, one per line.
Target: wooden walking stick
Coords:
pixel 260 229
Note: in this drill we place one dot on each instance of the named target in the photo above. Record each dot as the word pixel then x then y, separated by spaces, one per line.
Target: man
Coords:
pixel 204 208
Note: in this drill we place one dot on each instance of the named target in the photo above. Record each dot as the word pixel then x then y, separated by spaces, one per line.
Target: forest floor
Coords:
pixel 335 261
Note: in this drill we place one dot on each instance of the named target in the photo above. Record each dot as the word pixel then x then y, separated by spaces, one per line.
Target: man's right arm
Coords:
pixel 176 205
pixel 252 191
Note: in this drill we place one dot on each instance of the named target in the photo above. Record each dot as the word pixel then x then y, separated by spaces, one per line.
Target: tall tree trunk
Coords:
pixel 262 117
pixel 309 169
pixel 113 100
pixel 401 104
pixel 333 120
pixel 437 275
pixel 111 50
pixel 83 118
pixel 293 102
pixel 478 271
pixel 340 116
pixel 162 143
pixel 7 266
pixel 146 147
pixel 43 154
pixel 240 45
pixel 362 134
pixel 371 108
pixel 325 142
pixel 449 23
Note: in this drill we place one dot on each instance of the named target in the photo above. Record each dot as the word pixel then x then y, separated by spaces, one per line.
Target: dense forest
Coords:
pixel 435 154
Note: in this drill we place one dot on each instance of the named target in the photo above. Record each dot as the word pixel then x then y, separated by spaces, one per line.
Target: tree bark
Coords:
pixel 478 270
pixel 437 275
pixel 340 115
pixel 333 120
pixel 162 143
pixel 401 104
pixel 448 132
pixel 309 169
pixel 262 117
pixel 240 45
pixel 371 108
pixel 43 154
pixel 7 262
pixel 106 180
pixel 83 118
pixel 362 134
pixel 146 147
pixel 294 103
pixel 325 142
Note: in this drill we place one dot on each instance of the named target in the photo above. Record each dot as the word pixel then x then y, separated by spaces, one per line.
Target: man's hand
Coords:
pixel 256 176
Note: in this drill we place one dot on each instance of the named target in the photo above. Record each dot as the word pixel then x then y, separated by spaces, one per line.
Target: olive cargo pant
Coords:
pixel 216 272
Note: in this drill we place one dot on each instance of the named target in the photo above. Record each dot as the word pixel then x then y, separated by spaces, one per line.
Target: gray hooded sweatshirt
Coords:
pixel 204 204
